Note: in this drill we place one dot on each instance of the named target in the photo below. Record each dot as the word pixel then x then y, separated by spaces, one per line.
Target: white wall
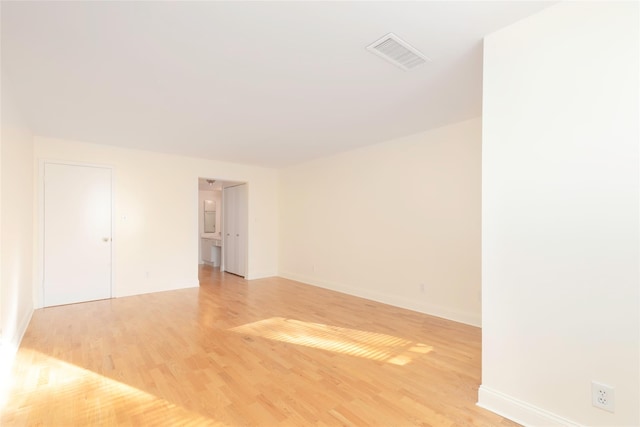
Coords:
pixel 560 230
pixel 158 195
pixel 16 232
pixel 378 222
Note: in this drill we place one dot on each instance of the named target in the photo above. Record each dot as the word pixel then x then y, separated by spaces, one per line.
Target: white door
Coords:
pixel 229 243
pixel 77 233
pixel 241 229
pixel 235 237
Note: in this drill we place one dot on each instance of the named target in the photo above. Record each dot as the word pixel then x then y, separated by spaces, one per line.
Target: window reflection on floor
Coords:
pixel 370 345
pixel 63 395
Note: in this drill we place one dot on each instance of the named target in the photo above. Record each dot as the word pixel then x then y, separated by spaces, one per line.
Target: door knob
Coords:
pixel 105 239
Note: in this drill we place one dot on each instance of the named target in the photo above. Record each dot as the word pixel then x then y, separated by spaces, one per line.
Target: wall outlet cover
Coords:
pixel 602 396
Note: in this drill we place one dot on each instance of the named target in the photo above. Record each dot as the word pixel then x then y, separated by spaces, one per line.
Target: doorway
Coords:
pixel 222 219
pixel 77 233
pixel 210 222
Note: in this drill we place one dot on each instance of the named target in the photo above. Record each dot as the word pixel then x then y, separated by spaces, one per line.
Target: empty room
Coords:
pixel 320 213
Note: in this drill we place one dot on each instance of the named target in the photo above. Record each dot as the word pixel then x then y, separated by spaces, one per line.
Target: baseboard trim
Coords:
pixel 185 285
pixel 260 275
pixel 519 411
pixel 412 305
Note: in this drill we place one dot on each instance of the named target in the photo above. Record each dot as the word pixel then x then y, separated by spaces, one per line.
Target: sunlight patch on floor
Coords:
pixel 52 392
pixel 369 345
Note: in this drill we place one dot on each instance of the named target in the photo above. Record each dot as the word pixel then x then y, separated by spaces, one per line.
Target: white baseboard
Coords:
pixel 168 287
pixel 254 275
pixel 419 306
pixel 519 411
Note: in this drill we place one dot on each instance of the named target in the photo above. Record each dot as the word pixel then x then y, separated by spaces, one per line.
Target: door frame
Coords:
pixel 38 294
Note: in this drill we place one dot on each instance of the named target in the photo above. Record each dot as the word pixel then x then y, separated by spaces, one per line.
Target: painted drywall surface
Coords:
pixel 381 221
pixel 560 213
pixel 156 213
pixel 16 231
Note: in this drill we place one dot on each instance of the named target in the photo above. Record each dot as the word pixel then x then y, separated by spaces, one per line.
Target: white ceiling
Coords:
pixel 265 83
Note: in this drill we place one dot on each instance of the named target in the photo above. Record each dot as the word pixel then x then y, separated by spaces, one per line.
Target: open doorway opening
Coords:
pixel 210 222
pixel 222 228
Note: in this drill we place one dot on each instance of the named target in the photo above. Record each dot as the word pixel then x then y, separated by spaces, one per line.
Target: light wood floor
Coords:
pixel 268 352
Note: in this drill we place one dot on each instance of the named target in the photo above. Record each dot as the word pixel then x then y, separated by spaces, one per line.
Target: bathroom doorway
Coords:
pixel 222 225
pixel 210 222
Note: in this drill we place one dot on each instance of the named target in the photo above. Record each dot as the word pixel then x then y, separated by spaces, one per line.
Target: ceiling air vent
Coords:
pixel 398 52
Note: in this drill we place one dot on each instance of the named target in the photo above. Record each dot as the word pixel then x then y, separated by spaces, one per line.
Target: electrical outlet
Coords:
pixel 602 396
pixel 422 287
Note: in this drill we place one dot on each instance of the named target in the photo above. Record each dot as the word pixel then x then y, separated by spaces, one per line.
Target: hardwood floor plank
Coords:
pixel 269 352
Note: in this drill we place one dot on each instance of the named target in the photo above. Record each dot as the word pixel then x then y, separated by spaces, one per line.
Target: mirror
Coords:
pixel 209 216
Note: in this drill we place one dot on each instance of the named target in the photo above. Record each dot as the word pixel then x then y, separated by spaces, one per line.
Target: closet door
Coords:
pixel 241 229
pixel 235 234
pixel 230 259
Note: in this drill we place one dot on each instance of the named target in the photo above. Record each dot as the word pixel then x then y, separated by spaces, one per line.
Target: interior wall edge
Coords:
pixel 8 350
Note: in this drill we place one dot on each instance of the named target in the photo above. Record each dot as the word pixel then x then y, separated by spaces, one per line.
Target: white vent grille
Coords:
pixel 398 52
